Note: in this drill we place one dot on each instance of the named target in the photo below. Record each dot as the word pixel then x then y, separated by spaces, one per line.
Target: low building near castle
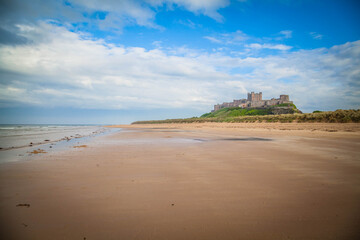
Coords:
pixel 254 100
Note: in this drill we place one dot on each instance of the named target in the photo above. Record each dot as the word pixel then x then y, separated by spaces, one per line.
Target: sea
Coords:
pixel 17 141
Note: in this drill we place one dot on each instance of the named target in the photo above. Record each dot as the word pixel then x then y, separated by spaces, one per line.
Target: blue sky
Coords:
pixel 92 61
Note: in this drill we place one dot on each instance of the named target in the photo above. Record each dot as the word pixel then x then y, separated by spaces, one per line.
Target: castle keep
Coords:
pixel 254 100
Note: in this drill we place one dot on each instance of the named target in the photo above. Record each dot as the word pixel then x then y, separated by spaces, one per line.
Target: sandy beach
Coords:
pixel 190 181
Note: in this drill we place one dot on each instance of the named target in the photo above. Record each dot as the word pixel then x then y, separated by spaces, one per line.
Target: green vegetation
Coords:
pixel 236 112
pixel 317 111
pixel 235 115
pixel 285 105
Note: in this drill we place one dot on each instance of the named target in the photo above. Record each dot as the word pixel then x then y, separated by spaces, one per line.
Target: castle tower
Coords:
pixel 250 96
pixel 254 97
pixel 284 97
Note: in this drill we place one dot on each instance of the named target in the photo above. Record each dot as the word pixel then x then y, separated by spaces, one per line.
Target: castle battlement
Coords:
pixel 254 100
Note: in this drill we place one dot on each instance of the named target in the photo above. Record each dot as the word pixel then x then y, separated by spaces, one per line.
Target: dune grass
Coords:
pixel 338 116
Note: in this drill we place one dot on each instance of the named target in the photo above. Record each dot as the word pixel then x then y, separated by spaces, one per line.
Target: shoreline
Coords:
pixel 27 152
pixel 189 182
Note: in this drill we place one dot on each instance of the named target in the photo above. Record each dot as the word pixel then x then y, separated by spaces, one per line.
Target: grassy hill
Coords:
pixel 261 115
pixel 237 111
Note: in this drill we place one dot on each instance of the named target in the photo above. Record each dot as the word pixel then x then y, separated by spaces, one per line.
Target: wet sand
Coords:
pixel 193 181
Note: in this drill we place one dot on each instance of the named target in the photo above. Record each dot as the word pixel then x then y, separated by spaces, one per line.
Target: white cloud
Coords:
pixel 268 46
pixel 286 33
pixel 212 39
pixel 120 12
pixel 237 37
pixel 116 14
pixel 249 42
pixel 143 12
pixel 63 68
pixel 188 23
pixel 206 7
pixel 157 44
pixel 316 36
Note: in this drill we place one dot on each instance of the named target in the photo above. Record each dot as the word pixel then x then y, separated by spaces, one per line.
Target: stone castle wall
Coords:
pixel 254 100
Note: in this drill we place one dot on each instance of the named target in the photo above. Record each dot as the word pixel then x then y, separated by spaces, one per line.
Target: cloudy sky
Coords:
pixel 117 61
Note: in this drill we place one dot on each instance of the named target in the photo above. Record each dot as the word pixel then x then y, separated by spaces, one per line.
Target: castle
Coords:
pixel 254 100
